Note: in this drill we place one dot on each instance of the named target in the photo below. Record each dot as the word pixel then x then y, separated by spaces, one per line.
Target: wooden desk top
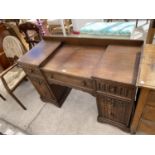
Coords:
pixel 39 53
pixel 146 76
pixel 109 59
pixel 75 60
pixel 119 63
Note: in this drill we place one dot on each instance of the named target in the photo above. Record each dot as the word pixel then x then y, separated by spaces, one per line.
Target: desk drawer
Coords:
pixel 70 80
pixel 149 113
pixel 114 88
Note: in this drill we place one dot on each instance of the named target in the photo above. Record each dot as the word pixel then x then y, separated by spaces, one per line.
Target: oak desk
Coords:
pixel 144 118
pixel 105 68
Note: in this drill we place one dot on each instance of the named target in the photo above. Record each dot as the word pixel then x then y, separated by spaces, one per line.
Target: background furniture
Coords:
pixel 32 33
pixel 151 32
pixel 105 68
pixel 144 118
pixel 4 61
pixel 14 31
pixel 56 26
pixel 138 20
pixel 112 29
pixel 13 76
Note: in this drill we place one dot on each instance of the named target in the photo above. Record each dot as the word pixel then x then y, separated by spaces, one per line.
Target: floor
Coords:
pixel 78 115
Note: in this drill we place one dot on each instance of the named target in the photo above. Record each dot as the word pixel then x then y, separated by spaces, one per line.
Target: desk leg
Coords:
pixel 2 97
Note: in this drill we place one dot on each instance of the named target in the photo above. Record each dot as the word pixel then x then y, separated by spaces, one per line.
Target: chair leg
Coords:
pixel 26 79
pixel 2 97
pixel 11 93
pixel 18 101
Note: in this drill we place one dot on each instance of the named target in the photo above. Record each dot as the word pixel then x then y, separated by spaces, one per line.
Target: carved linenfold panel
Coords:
pixel 116 89
pixel 114 109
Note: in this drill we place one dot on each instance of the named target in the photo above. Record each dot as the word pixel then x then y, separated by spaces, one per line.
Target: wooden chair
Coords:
pixel 13 76
pixel 31 32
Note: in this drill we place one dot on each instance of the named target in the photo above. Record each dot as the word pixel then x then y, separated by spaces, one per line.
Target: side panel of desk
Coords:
pixel 31 63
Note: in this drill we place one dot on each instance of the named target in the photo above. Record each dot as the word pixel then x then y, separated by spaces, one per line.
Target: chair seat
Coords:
pixel 14 76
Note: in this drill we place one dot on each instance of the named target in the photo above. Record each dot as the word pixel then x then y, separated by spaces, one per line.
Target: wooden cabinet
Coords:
pixel 144 117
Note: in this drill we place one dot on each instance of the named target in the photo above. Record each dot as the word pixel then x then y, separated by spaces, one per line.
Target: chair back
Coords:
pixel 25 28
pixel 12 47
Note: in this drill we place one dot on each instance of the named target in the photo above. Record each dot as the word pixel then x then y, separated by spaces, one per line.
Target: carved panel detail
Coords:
pixel 116 89
pixel 114 109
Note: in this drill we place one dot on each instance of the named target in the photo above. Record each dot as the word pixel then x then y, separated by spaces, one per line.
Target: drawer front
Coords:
pixel 149 113
pixel 117 89
pixel 42 88
pixel 114 109
pixel 151 98
pixel 70 80
pixel 146 127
